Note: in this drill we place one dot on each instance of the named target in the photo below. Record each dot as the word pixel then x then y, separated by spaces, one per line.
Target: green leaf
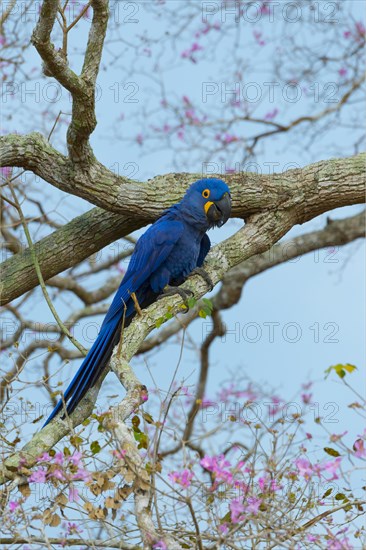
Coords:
pixel 331 452
pixel 142 439
pixel 340 496
pixel 327 493
pixel 208 304
pixel 191 302
pixel 95 447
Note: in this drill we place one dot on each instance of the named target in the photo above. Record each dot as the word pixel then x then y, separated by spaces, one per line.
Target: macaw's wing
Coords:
pixel 151 250
pixel 204 250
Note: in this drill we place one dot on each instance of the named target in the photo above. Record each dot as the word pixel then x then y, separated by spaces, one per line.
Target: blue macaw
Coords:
pixel 174 246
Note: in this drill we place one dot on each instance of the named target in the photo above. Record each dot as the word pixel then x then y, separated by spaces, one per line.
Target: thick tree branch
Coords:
pixel 64 248
pixel 251 192
pixel 311 190
pixel 336 233
pixel 55 61
pixel 82 87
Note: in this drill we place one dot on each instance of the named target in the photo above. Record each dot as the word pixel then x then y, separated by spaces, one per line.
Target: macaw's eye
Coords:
pixel 206 193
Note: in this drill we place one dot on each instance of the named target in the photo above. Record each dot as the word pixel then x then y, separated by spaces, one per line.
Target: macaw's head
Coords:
pixel 208 201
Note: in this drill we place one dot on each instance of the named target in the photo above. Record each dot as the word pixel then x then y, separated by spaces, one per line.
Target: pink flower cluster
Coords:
pixel 259 38
pixel 359 445
pixel 271 114
pixel 219 466
pixel 189 53
pixel 226 138
pixel 207 28
pixel 357 32
pixel 65 470
pixel 183 478
pixel 240 509
pixel 308 470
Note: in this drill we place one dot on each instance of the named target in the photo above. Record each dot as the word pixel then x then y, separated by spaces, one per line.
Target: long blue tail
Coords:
pixel 91 367
pixel 101 351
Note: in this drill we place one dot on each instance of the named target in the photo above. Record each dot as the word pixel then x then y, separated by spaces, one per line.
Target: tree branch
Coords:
pixel 309 191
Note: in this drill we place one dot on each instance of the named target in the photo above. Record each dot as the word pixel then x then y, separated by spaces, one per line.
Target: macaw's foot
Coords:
pixel 185 294
pixel 205 276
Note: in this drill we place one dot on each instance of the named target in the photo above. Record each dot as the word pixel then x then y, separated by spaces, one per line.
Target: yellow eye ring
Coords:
pixel 206 193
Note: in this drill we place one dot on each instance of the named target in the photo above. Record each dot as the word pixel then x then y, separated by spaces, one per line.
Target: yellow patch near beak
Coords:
pixel 207 206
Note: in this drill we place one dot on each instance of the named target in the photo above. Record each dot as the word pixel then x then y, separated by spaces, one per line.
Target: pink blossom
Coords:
pixel 342 71
pixel 82 475
pixel 75 458
pixel 160 545
pixel 360 28
pixel 223 528
pixel 13 505
pixel 347 34
pixel 339 544
pixel 337 437
pixel 140 139
pixel 207 403
pixel 359 447
pixel 2 40
pixel 304 468
pixel 236 509
pixel 73 528
pixel 306 398
pixel 258 37
pixel 274 486
pixel 5 171
pixel 120 454
pixel 307 470
pixel 253 505
pixel 73 494
pixel 45 457
pixel 57 474
pixel 226 138
pixel 188 54
pixel 262 483
pixel 183 478
pixel 218 465
pixel 191 115
pixel 267 484
pixel 264 9
pixel 180 134
pixel 58 458
pixel 332 466
pixel 271 114
pixel 39 476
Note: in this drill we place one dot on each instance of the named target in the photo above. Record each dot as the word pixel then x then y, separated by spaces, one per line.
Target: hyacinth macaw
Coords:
pixel 172 248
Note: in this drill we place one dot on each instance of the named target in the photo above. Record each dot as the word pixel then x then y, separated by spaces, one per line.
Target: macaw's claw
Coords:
pixel 185 294
pixel 205 276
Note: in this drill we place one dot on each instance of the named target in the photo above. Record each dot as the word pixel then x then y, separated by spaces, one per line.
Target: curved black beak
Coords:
pixel 219 211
